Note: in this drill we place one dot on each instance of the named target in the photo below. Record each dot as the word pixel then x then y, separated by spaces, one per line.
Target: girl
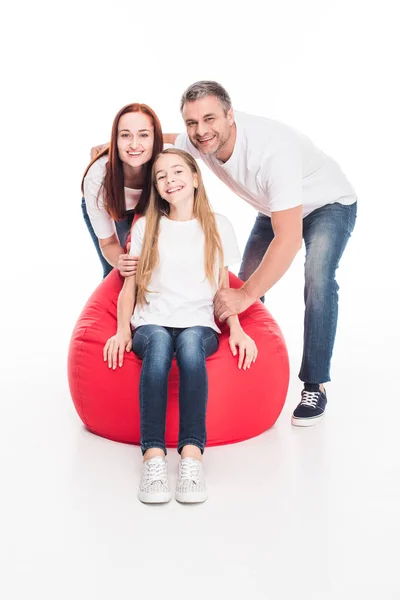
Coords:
pixel 184 249
pixel 116 185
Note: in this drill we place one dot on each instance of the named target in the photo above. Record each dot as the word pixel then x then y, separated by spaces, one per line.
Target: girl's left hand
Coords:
pixel 247 348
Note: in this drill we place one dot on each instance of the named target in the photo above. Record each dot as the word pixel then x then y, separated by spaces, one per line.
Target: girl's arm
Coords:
pixel 238 338
pixel 122 341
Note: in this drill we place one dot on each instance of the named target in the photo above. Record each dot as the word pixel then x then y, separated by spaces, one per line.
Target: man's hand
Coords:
pixel 228 302
pixel 247 348
pixel 115 348
pixel 95 151
pixel 127 264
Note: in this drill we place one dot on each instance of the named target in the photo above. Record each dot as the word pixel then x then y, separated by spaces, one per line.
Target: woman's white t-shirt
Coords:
pixel 102 223
pixel 274 167
pixel 179 294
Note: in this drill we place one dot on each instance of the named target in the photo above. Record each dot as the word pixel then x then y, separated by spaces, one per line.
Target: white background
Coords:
pixel 312 513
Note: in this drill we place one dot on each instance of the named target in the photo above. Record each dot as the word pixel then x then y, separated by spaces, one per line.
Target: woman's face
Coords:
pixel 135 139
pixel 174 179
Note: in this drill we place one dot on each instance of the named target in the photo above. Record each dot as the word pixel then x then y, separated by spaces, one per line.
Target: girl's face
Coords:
pixel 175 180
pixel 135 139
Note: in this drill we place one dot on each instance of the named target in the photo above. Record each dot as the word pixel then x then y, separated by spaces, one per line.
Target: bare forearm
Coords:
pixel 126 304
pixel 112 252
pixel 233 323
pixel 273 266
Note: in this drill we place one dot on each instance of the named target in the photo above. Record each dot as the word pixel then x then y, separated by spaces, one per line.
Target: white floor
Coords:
pixel 306 513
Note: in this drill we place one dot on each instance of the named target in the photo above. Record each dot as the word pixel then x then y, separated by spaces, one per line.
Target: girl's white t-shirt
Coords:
pixel 179 294
pixel 102 222
pixel 274 167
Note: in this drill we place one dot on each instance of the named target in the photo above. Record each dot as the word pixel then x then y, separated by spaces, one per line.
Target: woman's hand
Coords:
pixel 247 348
pixel 127 264
pixel 115 348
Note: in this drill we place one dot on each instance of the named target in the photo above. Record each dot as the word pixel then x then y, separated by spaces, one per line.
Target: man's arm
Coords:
pixel 288 230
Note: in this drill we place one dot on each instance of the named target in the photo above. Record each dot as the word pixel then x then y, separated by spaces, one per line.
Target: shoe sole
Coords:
pixel 159 498
pixel 191 497
pixel 307 422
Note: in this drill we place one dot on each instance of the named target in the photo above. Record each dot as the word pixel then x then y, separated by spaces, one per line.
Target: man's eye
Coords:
pixel 210 119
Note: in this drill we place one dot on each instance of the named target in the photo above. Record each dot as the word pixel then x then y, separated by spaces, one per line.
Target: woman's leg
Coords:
pixel 193 345
pixel 153 344
pixel 106 266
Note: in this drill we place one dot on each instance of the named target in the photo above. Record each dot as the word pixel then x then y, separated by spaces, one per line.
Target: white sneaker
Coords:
pixel 191 485
pixel 154 484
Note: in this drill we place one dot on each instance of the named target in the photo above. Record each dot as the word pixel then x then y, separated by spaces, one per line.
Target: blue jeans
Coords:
pixel 326 232
pixel 156 346
pixel 123 228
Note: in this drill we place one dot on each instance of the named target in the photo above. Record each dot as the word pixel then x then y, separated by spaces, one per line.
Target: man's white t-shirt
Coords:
pixel 180 295
pixel 101 221
pixel 274 167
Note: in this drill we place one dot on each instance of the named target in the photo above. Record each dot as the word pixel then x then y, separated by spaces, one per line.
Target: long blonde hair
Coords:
pixel 159 207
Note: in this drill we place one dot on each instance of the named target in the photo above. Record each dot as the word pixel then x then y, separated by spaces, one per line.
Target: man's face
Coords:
pixel 207 125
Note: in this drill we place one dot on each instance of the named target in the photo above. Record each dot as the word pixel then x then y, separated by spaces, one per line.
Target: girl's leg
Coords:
pixel 193 345
pixel 153 344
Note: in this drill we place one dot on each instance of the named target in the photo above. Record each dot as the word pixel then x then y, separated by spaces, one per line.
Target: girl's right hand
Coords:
pixel 115 348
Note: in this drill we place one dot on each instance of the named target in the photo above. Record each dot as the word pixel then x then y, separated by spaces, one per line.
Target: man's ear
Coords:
pixel 230 116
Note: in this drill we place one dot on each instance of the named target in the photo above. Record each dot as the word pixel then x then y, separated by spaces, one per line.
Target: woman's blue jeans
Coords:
pixel 157 346
pixel 123 228
pixel 326 232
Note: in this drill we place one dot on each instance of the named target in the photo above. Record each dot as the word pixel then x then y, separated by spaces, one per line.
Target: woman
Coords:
pixel 184 250
pixel 116 185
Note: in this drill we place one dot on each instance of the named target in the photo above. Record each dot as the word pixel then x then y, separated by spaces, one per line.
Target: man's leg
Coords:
pixel 326 232
pixel 260 238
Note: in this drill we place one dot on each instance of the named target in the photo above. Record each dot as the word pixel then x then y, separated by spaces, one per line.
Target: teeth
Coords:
pixel 174 190
pixel 134 153
pixel 206 139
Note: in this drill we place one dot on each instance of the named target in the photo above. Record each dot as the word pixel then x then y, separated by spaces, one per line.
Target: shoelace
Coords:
pixel 190 470
pixel 155 471
pixel 309 398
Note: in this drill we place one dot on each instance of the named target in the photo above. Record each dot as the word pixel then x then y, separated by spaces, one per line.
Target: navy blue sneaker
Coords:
pixel 311 408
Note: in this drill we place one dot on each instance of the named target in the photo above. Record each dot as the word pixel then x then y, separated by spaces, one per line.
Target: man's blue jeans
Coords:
pixel 123 228
pixel 326 232
pixel 157 346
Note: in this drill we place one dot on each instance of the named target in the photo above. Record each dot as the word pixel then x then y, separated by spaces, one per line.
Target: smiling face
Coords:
pixel 135 139
pixel 208 126
pixel 175 181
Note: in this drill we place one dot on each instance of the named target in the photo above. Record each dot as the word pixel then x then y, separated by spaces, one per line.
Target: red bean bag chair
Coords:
pixel 241 404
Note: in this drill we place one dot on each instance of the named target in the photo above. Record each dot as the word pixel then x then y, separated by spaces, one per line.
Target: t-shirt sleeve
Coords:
pixel 101 221
pixel 229 241
pixel 137 237
pixel 282 175
pixel 182 142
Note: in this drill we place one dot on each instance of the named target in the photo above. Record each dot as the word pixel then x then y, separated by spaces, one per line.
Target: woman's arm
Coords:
pixel 169 138
pixel 122 341
pixel 111 249
pixel 238 338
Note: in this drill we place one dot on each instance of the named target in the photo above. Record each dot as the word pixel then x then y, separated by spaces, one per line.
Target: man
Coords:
pixel 299 192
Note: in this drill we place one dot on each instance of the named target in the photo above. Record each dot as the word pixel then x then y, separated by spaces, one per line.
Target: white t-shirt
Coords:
pixel 101 221
pixel 274 167
pixel 180 295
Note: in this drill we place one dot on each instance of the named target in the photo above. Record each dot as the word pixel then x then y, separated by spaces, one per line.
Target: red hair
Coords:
pixel 113 182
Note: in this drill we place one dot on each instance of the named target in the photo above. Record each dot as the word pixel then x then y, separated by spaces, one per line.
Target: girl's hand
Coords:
pixel 247 348
pixel 115 348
